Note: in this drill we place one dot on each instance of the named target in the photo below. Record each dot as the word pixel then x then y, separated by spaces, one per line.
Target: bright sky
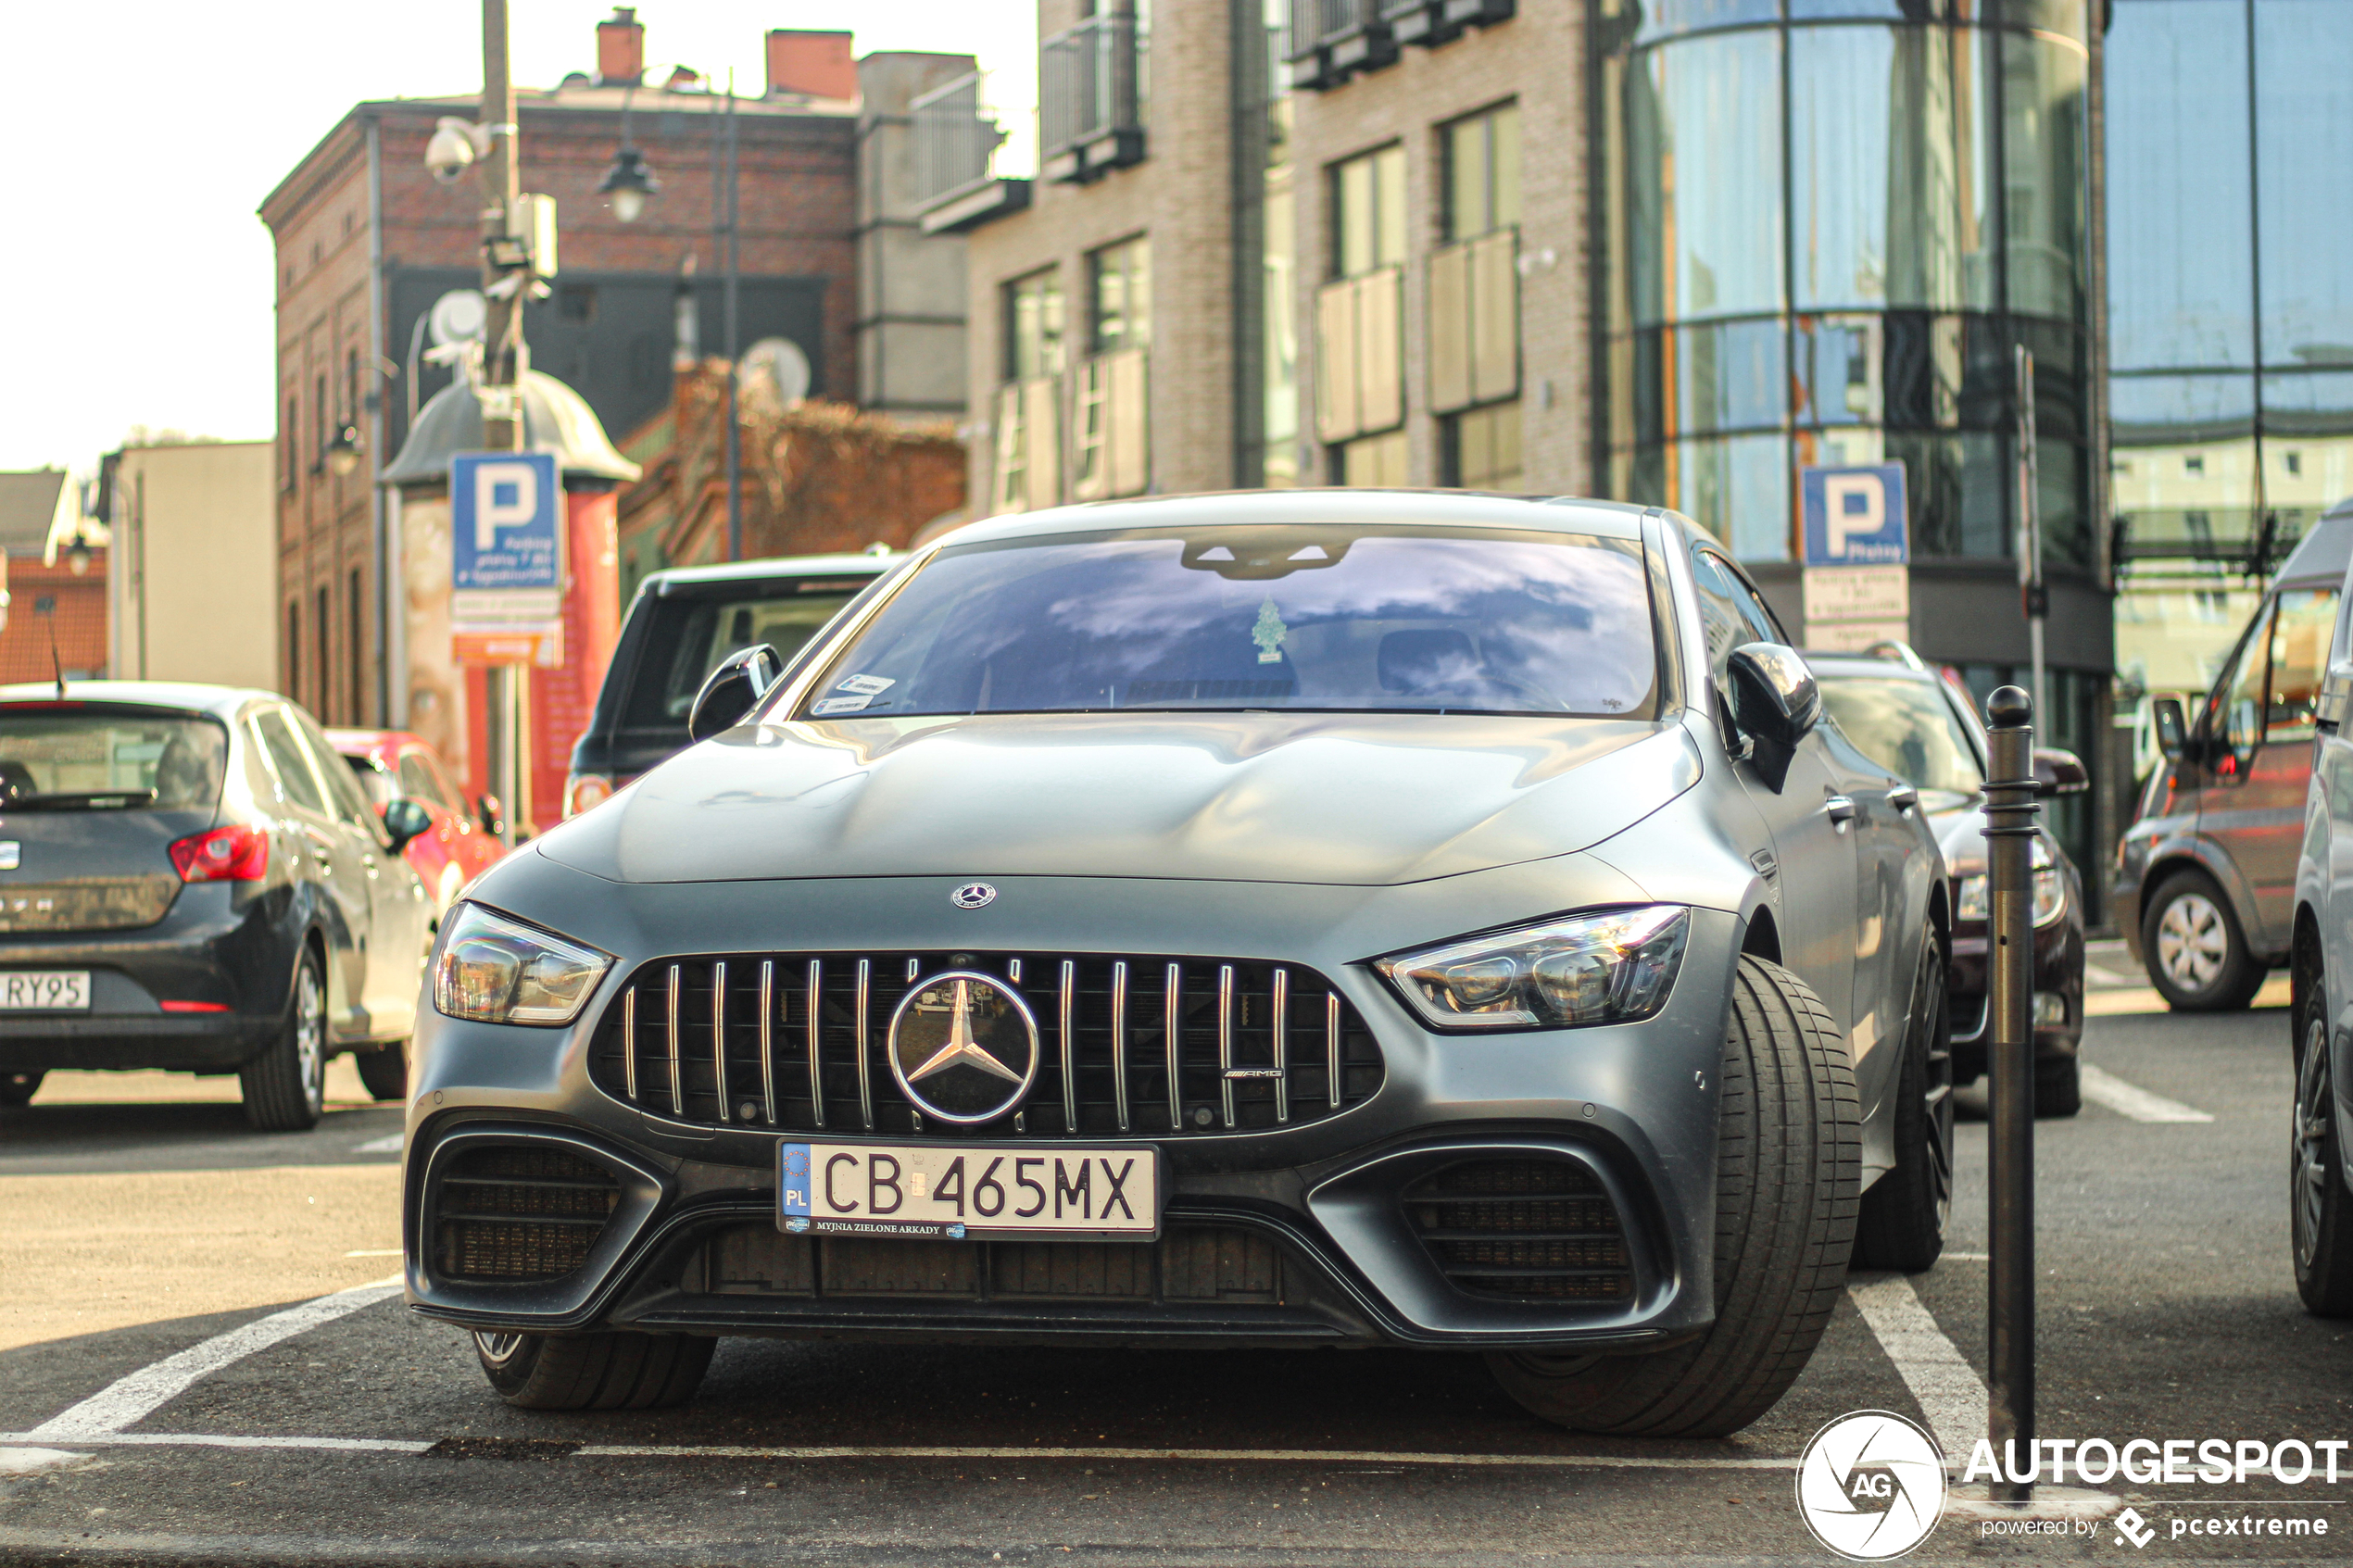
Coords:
pixel 143 133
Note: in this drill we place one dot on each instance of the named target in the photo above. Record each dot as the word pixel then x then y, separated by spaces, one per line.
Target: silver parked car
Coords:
pixel 1304 919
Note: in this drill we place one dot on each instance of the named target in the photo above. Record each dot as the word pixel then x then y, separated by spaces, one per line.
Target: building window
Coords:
pixel 1028 414
pixel 359 649
pixel 294 650
pixel 1481 449
pixel 1482 174
pixel 1360 380
pixel 1113 456
pixel 319 431
pixel 291 439
pixel 1375 461
pixel 326 684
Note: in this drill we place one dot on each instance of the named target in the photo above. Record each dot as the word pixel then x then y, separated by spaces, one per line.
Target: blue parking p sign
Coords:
pixel 1855 516
pixel 503 512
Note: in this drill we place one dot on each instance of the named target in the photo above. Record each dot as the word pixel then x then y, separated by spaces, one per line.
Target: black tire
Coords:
pixel 2319 1217
pixel 1789 1160
pixel 385 1071
pixel 2058 1085
pixel 2195 947
pixel 285 1086
pixel 1903 1214
pixel 18 1088
pixel 594 1371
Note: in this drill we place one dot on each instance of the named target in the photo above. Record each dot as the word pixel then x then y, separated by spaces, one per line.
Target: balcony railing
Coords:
pixel 1090 98
pixel 956 139
pixel 1333 40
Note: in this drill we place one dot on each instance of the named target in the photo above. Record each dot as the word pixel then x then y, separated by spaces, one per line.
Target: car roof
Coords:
pixel 219 701
pixel 1445 509
pixel 352 742
pixel 771 569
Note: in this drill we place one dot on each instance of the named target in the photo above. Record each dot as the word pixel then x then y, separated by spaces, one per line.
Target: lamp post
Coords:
pixel 629 180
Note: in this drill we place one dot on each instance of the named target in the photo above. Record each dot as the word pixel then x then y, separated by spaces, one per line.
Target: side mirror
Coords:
pixel 491 815
pixel 741 680
pixel 405 819
pixel 2060 773
pixel 1775 704
pixel 2172 730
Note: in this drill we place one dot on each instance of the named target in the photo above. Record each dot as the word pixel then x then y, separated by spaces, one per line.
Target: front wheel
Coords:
pixel 1903 1214
pixel 1789 1158
pixel 385 1071
pixel 2320 1220
pixel 607 1371
pixel 2195 949
pixel 285 1086
pixel 18 1088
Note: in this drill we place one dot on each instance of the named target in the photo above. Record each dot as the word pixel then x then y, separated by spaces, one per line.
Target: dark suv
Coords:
pixel 191 879
pixel 679 627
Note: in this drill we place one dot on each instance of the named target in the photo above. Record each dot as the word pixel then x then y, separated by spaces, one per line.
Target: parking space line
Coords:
pixel 2130 1100
pixel 380 1145
pixel 1947 1389
pixel 135 1396
pixel 873 1451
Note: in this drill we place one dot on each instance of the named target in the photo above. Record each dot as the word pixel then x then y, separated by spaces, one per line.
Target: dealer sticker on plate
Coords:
pixel 960 1190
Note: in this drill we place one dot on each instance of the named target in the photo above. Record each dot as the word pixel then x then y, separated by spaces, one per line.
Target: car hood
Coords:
pixel 1961 833
pixel 1352 800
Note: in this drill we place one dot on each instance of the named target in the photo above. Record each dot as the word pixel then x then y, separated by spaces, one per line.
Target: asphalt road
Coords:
pixel 2168 1312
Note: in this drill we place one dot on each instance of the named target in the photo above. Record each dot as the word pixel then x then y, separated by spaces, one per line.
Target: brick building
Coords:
pixel 367 242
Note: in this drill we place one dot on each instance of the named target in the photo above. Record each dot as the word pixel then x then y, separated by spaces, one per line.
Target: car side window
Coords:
pixel 2300 629
pixel 1757 612
pixel 418 783
pixel 296 783
pixel 350 803
pixel 1719 610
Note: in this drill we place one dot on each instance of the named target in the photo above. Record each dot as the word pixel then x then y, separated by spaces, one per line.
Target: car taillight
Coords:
pixel 585 791
pixel 231 854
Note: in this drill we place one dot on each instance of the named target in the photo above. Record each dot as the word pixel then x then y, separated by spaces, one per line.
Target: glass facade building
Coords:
pixel 2229 209
pixel 1829 222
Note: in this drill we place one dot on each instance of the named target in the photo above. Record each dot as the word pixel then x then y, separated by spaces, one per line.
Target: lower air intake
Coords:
pixel 520 1213
pixel 1523 1230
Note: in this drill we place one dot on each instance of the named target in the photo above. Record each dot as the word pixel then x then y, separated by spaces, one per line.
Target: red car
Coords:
pixel 395 765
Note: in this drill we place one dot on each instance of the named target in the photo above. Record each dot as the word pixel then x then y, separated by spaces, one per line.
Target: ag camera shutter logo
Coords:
pixel 1871 1486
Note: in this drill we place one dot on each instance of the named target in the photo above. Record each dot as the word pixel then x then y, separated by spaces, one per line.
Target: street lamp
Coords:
pixel 630 180
pixel 342 452
pixel 78 557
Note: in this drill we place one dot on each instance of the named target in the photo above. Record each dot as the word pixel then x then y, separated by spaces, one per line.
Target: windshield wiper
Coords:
pixel 80 800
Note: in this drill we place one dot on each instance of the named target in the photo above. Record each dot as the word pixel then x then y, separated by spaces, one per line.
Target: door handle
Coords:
pixel 1840 809
pixel 1903 797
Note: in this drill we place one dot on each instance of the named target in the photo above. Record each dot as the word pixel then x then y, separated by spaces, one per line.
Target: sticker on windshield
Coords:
pixel 833 705
pixel 869 686
pixel 1269 633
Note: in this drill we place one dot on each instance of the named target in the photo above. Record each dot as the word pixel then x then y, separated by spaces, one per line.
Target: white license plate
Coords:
pixel 961 1190
pixel 53 989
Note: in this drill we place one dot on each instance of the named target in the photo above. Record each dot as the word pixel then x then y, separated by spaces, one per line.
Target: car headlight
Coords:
pixel 494 970
pixel 1607 968
pixel 2050 891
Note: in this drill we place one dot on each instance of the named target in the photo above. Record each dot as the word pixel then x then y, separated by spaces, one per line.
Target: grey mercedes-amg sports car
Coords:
pixel 1323 918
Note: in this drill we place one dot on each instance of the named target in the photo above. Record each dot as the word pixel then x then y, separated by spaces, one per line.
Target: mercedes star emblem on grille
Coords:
pixel 963 1047
pixel 973 896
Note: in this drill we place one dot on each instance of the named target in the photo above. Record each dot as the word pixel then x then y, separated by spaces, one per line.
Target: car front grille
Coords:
pixel 1189 1264
pixel 1138 1045
pixel 515 1213
pixel 1525 1229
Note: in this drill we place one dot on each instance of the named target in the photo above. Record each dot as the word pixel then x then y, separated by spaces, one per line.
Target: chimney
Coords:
pixel 621 47
pixel 816 63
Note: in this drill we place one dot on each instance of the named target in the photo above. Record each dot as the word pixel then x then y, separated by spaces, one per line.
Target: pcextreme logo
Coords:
pixel 1871 1486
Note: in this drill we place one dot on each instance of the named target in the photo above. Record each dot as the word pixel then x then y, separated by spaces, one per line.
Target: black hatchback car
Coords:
pixel 191 880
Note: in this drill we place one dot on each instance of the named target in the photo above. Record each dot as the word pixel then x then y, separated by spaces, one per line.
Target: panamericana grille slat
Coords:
pixel 1137 1045
pixel 1524 1228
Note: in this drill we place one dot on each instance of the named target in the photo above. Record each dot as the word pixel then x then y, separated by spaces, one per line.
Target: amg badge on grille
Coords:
pixel 973 896
pixel 963 1047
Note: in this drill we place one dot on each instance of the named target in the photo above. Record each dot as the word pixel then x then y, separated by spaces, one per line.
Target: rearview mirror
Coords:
pixel 2173 732
pixel 741 680
pixel 404 821
pixel 1775 704
pixel 2060 773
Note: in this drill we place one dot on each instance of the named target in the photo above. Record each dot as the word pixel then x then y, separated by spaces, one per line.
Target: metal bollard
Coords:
pixel 2010 813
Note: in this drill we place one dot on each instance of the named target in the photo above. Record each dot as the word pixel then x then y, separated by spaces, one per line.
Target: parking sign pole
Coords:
pixel 2010 813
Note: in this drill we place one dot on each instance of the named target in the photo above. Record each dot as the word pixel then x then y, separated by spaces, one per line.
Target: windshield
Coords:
pixel 1907 728
pixel 1319 618
pixel 688 636
pixel 100 761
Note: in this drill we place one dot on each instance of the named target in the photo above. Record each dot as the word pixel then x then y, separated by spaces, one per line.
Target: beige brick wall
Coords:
pixel 1179 196
pixel 1539 59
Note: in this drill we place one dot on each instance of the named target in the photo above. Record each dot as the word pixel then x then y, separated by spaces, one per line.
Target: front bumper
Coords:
pixel 220 944
pixel 1284 1236
pixel 2059 974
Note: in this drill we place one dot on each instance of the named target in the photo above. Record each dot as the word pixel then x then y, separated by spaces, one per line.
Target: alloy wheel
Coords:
pixel 2191 942
pixel 2309 1146
pixel 310 1037
pixel 1938 1132
pixel 497 1348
